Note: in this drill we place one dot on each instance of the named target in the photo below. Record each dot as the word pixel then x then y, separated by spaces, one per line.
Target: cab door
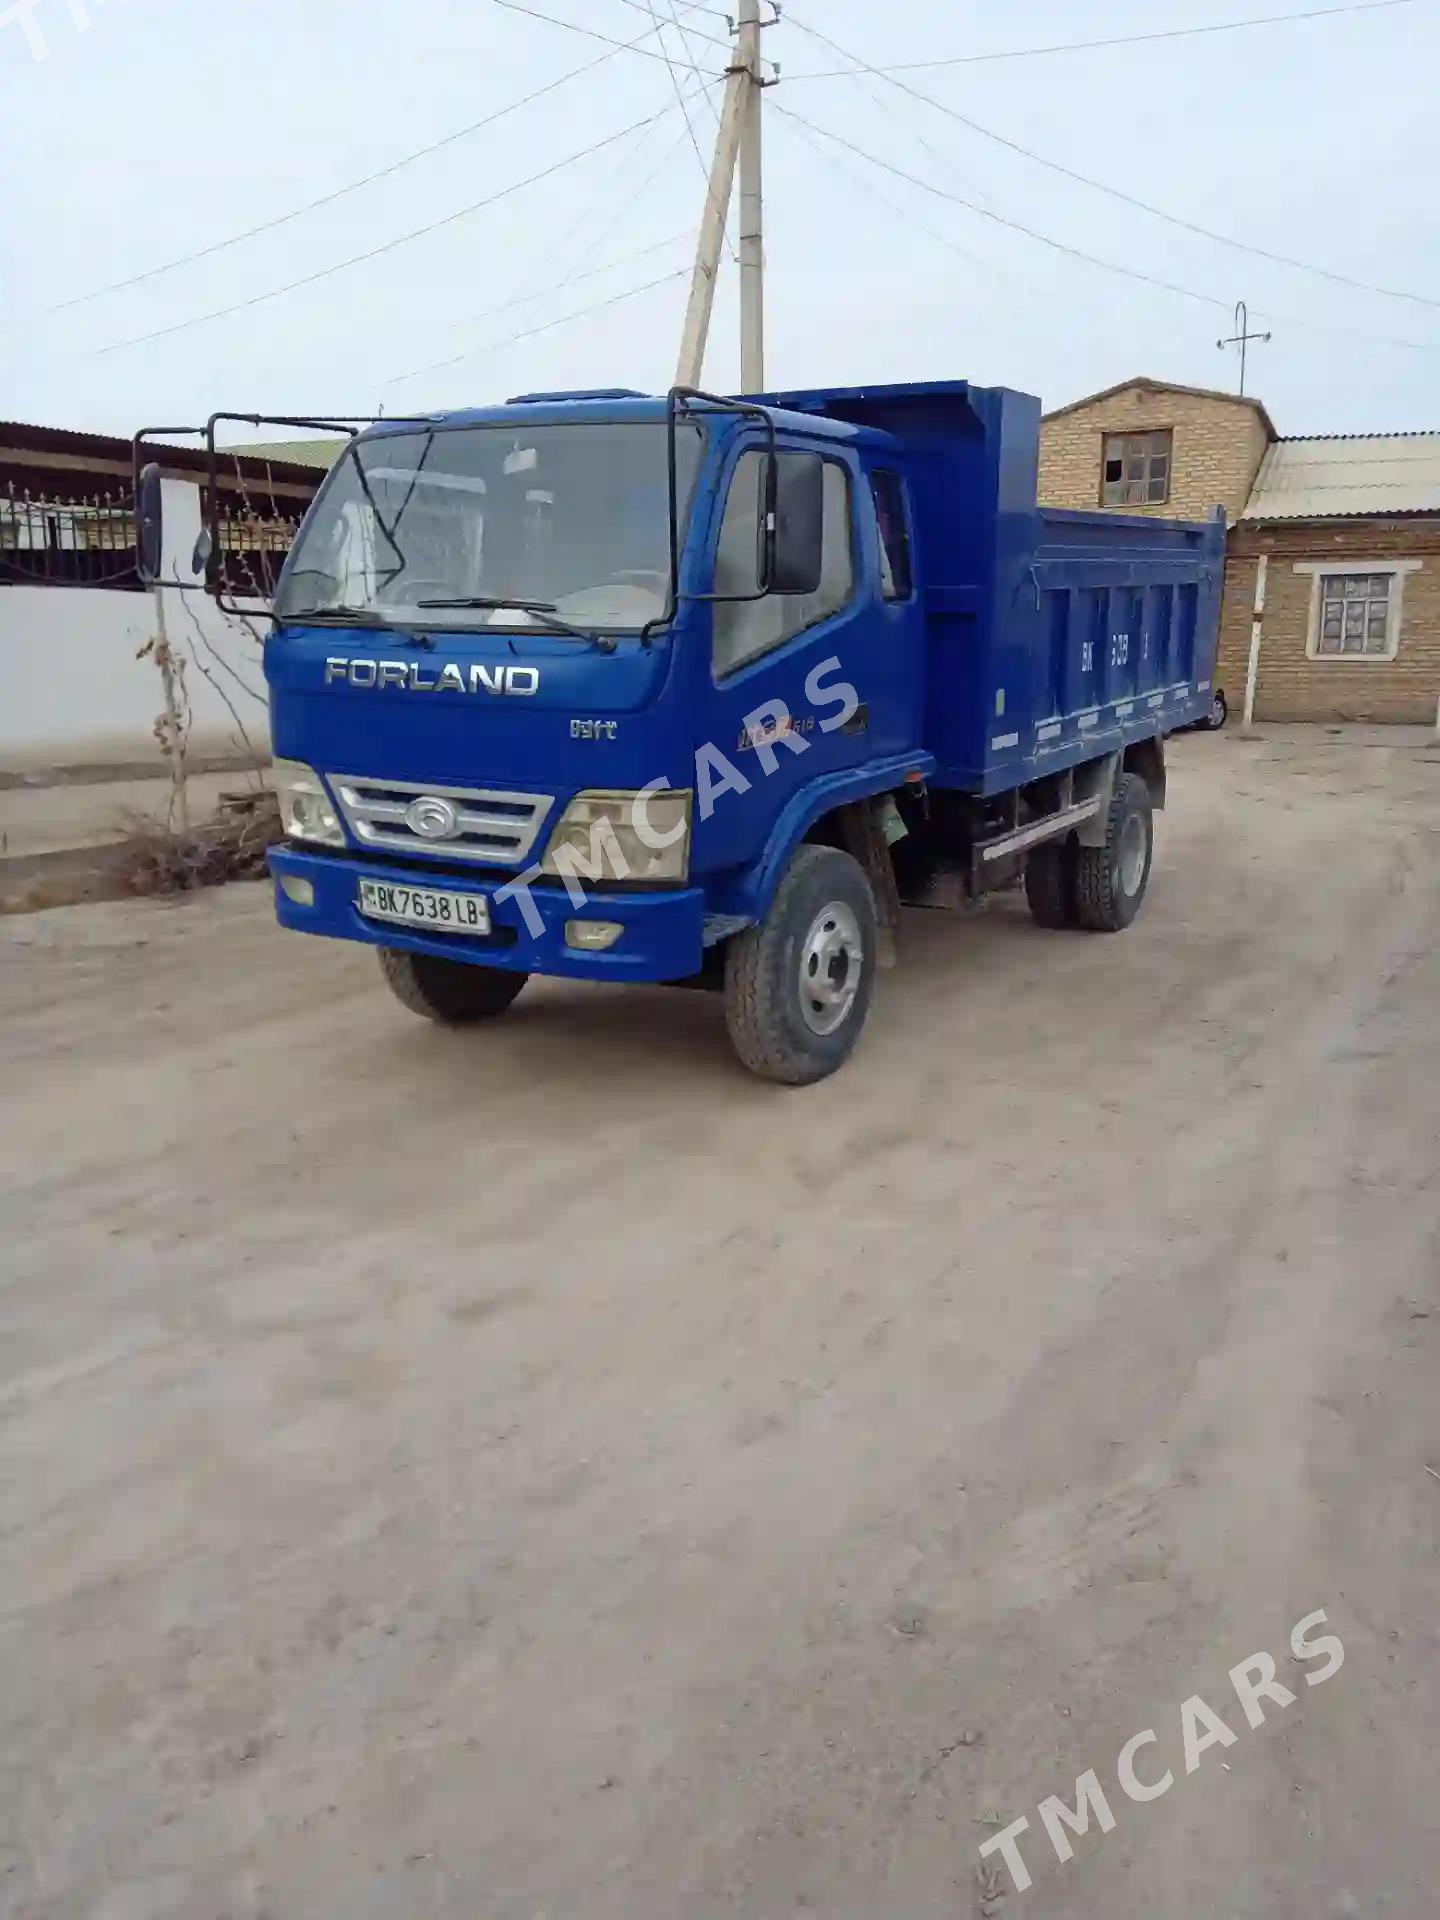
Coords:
pixel 798 685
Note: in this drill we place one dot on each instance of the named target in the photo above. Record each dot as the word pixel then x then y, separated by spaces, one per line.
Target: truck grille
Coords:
pixel 491 828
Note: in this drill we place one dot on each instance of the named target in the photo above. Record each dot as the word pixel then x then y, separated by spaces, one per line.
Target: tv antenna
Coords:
pixel 1241 338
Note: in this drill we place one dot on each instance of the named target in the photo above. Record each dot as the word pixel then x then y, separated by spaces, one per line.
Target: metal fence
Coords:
pixel 88 540
pixel 251 548
pixel 66 540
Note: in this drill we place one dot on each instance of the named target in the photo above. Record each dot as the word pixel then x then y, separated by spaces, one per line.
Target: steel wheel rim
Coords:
pixel 831 957
pixel 1132 852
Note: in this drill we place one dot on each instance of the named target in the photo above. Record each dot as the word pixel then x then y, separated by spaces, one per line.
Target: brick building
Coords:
pixel 1336 539
pixel 1149 447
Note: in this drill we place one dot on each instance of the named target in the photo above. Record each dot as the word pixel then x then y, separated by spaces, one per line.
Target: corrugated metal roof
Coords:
pixel 299 453
pixel 1332 476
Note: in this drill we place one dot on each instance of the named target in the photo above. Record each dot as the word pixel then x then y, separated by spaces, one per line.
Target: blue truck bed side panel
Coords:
pixel 1051 636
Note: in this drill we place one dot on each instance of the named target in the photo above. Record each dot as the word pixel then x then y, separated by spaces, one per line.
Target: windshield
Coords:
pixel 573 516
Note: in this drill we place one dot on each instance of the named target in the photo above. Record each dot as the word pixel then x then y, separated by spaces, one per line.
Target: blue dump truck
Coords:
pixel 697 689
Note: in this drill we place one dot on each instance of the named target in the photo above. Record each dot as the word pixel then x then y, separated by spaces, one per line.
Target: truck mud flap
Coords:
pixel 863 838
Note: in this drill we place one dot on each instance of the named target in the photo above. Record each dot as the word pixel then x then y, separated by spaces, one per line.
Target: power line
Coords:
pixel 804 132
pixel 583 220
pixel 1091 259
pixel 1117 193
pixel 711 39
pixel 893 111
pixel 600 234
pixel 353 186
pixel 617 218
pixel 1117 40
pixel 680 97
pixel 521 299
pixel 591 33
pixel 987 213
pixel 690 60
pixel 387 246
pixel 529 333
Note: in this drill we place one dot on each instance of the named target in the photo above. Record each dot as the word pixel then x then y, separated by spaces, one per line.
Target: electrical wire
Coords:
pixel 522 299
pixel 568 246
pixel 387 246
pixel 529 333
pixel 582 270
pixel 711 39
pixel 1116 40
pixel 680 97
pixel 898 111
pixel 801 130
pixel 1117 193
pixel 582 258
pixel 685 32
pixel 1004 220
pixel 591 33
pixel 1091 259
pixel 365 180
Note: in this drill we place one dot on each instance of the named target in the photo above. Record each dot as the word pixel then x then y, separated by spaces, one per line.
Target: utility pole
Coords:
pixel 738 136
pixel 1240 337
pixel 752 225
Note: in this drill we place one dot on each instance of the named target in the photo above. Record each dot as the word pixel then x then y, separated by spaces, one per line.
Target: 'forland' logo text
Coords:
pixel 408 676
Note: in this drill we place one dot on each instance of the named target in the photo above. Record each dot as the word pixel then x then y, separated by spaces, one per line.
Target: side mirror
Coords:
pixel 200 556
pixel 149 531
pixel 794 514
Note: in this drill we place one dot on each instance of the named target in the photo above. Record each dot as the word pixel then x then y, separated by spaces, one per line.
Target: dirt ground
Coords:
pixel 546 1472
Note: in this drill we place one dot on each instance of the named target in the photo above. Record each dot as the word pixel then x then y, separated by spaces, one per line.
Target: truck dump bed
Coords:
pixel 1051 636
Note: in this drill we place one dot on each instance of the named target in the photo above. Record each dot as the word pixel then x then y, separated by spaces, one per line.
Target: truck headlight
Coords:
pixel 641 836
pixel 306 812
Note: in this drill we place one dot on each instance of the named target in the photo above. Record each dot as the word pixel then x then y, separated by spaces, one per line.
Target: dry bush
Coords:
pixel 229 846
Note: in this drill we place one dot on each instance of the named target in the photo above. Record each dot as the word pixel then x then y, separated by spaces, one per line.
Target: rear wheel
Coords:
pixel 1050 883
pixel 798 988
pixel 1110 880
pixel 448 991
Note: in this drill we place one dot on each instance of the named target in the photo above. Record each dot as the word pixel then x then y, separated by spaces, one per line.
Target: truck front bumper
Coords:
pixel 661 933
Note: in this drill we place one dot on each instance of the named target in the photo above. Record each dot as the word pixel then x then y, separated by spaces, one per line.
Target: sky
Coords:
pixel 162 128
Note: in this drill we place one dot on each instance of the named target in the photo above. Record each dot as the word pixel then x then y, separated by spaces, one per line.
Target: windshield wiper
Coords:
pixel 356 617
pixel 604 641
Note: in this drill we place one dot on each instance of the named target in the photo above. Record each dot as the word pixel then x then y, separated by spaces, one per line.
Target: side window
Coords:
pixel 896 579
pixel 744 629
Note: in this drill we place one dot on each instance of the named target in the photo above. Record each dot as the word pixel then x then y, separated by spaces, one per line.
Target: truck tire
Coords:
pixel 1219 712
pixel 451 992
pixel 798 987
pixel 1110 880
pixel 1050 883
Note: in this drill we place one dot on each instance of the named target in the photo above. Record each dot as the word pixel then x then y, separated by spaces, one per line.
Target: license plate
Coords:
pixel 425 907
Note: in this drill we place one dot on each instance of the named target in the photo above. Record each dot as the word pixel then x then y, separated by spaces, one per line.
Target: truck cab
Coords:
pixel 686 688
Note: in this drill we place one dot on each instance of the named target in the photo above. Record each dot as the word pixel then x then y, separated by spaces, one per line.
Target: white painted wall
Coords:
pixel 72 689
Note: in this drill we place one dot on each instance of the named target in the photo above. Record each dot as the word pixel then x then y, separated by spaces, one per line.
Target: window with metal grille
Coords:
pixel 1135 468
pixel 1354 615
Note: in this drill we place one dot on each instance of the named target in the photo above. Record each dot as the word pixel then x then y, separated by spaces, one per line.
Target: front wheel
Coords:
pixel 451 992
pixel 798 988
pixel 1110 880
pixel 1219 712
